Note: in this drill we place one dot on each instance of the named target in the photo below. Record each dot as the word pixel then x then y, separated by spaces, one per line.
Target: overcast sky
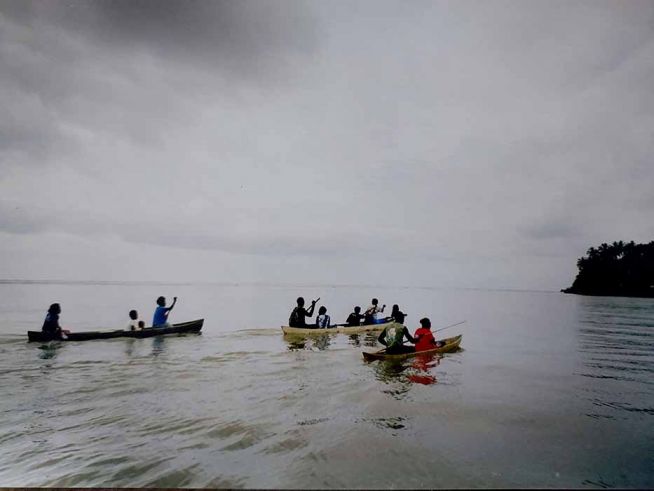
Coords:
pixel 435 143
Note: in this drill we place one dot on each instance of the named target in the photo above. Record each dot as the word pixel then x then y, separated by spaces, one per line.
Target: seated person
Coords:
pixel 393 338
pixel 51 325
pixel 299 314
pixel 134 322
pixel 354 319
pixel 323 320
pixel 162 312
pixel 397 315
pixel 424 337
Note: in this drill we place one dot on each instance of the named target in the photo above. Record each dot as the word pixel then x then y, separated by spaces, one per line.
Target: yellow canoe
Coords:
pixel 337 329
pixel 451 344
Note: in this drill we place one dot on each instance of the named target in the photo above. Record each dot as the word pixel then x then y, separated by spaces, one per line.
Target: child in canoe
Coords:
pixel 323 321
pixel 134 322
pixel 424 339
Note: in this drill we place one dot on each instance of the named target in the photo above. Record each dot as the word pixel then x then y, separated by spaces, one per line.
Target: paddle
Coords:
pixel 447 327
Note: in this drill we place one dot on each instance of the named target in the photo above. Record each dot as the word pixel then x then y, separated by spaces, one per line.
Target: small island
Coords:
pixel 619 269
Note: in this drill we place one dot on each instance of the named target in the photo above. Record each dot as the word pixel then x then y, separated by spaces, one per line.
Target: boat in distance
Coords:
pixel 181 328
pixel 451 344
pixel 339 328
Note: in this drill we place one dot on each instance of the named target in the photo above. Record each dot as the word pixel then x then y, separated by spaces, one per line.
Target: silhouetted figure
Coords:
pixel 354 319
pixel 397 315
pixel 323 321
pixel 51 325
pixel 299 314
pixel 160 318
pixel 370 316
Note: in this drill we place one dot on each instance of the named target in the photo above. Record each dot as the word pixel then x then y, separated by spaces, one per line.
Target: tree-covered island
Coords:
pixel 619 269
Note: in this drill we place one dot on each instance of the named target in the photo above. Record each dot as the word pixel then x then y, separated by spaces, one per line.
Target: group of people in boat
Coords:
pixel 298 317
pixel 52 328
pixel 392 336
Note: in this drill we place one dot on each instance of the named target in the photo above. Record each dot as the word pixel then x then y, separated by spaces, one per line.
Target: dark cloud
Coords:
pixel 240 35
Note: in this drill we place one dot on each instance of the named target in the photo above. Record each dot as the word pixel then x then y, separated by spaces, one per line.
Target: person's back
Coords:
pixel 323 321
pixel 51 322
pixel 299 314
pixel 425 339
pixel 393 338
pixel 354 319
pixel 133 323
pixel 161 313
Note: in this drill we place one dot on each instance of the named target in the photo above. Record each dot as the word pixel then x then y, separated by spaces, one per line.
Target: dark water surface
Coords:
pixel 550 390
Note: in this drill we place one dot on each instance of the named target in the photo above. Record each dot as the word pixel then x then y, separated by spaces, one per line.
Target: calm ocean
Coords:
pixel 549 390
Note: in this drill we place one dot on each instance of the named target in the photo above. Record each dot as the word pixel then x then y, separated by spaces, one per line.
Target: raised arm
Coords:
pixel 309 311
pixel 172 304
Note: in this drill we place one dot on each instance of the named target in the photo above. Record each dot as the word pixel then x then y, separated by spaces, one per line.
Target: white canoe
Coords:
pixel 337 329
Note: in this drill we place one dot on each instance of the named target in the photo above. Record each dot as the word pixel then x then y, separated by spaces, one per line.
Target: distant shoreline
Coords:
pixel 570 291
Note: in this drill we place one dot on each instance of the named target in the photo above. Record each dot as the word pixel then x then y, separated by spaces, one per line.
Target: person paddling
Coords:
pixel 424 337
pixel 299 313
pixel 51 325
pixel 393 338
pixel 372 310
pixel 161 313
pixel 354 319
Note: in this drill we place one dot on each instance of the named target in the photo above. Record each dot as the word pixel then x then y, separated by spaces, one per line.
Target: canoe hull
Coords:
pixel 339 329
pixel 451 344
pixel 182 328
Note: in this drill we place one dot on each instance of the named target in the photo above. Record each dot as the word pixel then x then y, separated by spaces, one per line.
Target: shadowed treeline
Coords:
pixel 618 269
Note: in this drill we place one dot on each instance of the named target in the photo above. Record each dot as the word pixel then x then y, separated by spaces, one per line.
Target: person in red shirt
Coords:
pixel 424 337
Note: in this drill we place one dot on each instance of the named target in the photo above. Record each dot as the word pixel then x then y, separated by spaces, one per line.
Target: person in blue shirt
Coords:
pixel 161 313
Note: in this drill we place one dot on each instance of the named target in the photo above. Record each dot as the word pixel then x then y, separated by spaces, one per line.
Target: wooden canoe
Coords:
pixel 182 328
pixel 337 329
pixel 451 344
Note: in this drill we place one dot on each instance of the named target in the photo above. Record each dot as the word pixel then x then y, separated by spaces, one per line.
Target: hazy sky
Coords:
pixel 473 144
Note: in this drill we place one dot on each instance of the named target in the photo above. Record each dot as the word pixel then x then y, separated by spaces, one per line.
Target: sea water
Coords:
pixel 548 390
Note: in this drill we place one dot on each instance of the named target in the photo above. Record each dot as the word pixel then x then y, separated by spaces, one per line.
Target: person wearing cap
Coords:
pixel 424 339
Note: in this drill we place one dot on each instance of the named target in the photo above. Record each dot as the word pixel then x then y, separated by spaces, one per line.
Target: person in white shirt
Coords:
pixel 372 310
pixel 134 322
pixel 323 321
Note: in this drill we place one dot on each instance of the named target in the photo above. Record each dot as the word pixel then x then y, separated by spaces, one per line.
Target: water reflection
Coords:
pixel 49 350
pixel 158 345
pixel 300 342
pixel 401 374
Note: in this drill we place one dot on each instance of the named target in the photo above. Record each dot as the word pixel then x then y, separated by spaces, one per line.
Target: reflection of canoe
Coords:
pixel 184 327
pixel 340 328
pixel 451 344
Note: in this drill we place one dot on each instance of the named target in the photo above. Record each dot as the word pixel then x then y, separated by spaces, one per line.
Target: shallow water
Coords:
pixel 549 390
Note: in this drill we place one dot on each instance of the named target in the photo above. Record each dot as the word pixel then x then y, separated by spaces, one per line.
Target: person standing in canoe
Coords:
pixel 161 313
pixel 299 313
pixel 393 338
pixel 51 325
pixel 354 319
pixel 424 339
pixel 323 321
pixel 372 310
